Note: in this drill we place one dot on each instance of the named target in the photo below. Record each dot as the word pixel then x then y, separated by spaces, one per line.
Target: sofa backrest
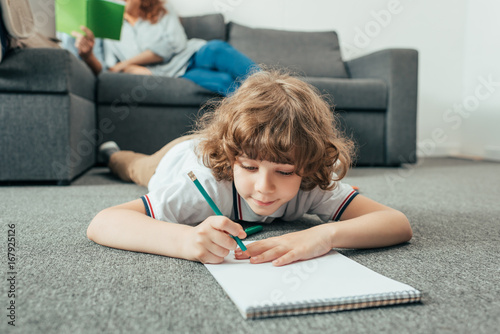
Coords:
pixel 206 27
pixel 314 54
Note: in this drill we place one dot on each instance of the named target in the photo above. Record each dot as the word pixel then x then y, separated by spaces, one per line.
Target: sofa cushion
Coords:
pixel 206 27
pixel 352 94
pixel 130 89
pixel 53 71
pixel 315 54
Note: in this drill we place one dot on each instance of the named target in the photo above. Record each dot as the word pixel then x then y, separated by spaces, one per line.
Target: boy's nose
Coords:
pixel 264 183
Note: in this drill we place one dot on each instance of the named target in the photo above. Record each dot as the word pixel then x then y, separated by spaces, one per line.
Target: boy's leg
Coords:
pixel 121 164
pixel 137 167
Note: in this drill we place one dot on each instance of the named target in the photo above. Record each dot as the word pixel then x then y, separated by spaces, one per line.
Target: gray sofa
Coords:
pixel 47 116
pixel 54 112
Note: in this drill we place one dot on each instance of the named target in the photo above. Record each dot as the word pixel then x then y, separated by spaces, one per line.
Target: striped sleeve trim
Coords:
pixel 148 206
pixel 344 205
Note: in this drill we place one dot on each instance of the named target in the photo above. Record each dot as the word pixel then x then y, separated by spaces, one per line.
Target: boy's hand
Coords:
pixel 211 241
pixel 290 247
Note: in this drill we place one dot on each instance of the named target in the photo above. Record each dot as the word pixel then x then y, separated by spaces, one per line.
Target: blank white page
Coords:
pixel 331 277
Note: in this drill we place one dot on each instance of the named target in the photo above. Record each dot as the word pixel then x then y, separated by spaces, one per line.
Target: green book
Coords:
pixel 103 17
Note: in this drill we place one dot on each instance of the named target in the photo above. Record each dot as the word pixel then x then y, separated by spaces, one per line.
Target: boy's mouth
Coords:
pixel 263 203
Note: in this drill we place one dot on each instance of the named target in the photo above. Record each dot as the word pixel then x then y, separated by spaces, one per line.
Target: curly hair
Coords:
pixel 152 10
pixel 278 118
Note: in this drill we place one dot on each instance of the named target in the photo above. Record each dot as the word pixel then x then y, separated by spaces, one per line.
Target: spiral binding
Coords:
pixel 334 305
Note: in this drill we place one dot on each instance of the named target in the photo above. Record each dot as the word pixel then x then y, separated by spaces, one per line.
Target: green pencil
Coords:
pixel 213 206
pixel 253 229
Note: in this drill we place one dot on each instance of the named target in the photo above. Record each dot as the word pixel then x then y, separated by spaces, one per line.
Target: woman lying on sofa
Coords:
pixel 153 42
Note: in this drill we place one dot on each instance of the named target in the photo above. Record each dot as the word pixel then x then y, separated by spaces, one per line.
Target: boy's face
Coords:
pixel 264 185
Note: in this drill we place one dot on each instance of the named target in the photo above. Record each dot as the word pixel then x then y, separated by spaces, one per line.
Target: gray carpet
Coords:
pixel 68 284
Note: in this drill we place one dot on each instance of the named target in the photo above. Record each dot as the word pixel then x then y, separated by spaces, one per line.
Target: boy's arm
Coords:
pixel 364 224
pixel 127 226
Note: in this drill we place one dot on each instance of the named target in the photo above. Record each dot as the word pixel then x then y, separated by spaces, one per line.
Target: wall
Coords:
pixel 435 28
pixel 480 118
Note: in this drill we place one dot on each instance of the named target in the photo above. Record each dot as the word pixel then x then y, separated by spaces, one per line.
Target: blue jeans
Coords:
pixel 219 67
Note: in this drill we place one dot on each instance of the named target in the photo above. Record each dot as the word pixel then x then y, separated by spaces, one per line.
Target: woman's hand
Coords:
pixel 126 67
pixel 119 67
pixel 210 241
pixel 135 65
pixel 291 247
pixel 84 43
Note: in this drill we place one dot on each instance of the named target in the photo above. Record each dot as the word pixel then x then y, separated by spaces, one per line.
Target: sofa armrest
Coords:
pixel 46 71
pixel 399 69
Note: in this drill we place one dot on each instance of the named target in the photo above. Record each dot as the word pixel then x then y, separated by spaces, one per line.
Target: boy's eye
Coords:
pixel 250 168
pixel 285 173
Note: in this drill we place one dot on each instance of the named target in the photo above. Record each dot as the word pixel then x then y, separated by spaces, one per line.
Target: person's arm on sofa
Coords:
pixel 133 65
pixel 85 44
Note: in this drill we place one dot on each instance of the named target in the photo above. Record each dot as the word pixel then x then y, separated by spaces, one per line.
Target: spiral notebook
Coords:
pixel 330 283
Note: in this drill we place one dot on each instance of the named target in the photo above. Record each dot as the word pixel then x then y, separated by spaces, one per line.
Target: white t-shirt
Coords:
pixel 174 198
